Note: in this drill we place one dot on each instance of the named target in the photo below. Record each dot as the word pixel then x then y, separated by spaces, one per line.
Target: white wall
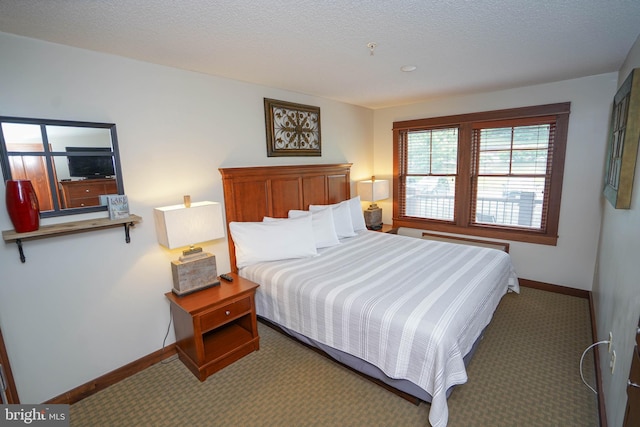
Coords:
pixel 85 304
pixel 570 263
pixel 617 283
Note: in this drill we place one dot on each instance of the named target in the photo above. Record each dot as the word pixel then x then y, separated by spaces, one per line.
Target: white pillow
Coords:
pixel 324 229
pixel 341 217
pixel 273 240
pixel 357 217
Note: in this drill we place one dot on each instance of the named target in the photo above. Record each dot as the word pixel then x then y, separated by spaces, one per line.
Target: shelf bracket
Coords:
pixel 68 228
pixel 127 238
pixel 127 226
pixel 22 257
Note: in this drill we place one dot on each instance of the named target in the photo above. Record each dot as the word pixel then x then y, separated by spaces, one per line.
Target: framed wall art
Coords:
pixel 292 129
pixel 624 134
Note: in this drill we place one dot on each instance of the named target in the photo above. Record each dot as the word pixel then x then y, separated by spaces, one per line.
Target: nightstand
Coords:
pixel 215 326
pixel 387 228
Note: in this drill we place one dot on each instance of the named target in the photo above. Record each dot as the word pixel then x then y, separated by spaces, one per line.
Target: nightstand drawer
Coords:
pixel 223 314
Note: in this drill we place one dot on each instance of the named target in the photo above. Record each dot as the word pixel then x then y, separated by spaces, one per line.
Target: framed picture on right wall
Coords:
pixel 624 134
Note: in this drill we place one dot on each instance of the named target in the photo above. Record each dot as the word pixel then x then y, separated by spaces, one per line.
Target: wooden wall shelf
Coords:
pixel 69 228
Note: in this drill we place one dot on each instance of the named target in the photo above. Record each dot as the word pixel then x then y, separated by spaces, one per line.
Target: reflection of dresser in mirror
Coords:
pixel 86 192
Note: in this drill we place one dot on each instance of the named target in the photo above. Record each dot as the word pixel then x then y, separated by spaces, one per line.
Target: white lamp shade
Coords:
pixel 372 191
pixel 178 226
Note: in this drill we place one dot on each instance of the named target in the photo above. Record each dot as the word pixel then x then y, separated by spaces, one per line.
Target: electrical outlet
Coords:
pixel 610 342
pixel 612 364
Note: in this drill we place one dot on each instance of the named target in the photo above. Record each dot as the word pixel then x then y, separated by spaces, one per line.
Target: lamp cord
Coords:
pixel 582 358
pixel 164 341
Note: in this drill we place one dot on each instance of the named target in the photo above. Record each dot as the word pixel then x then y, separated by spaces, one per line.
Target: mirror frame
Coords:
pixel 50 155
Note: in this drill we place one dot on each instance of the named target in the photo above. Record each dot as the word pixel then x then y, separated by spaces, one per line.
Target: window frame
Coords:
pixel 463 190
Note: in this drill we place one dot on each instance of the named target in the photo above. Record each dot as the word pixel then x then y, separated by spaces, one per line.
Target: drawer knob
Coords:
pixel 227 312
pixel 86 191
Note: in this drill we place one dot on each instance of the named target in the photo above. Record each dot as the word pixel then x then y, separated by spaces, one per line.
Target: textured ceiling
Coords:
pixel 320 47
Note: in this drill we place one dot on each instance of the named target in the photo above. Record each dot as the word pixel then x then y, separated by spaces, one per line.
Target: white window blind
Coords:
pixel 432 161
pixel 512 171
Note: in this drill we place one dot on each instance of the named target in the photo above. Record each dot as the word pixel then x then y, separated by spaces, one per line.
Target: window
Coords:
pixel 431 173
pixel 495 174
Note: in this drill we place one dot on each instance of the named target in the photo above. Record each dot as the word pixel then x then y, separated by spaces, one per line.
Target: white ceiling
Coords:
pixel 320 47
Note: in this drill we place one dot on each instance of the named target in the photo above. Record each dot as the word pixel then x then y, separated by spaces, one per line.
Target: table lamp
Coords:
pixel 371 191
pixel 186 225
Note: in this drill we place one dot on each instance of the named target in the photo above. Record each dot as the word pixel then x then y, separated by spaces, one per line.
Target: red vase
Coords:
pixel 22 205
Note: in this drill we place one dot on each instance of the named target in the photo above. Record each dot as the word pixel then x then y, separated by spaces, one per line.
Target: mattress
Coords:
pixel 411 307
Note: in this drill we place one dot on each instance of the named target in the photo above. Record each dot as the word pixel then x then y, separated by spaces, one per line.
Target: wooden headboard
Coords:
pixel 251 193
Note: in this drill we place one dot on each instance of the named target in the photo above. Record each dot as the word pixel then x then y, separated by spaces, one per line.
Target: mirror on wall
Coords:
pixel 70 164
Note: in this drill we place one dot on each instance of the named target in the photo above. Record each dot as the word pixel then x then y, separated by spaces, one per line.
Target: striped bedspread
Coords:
pixel 411 307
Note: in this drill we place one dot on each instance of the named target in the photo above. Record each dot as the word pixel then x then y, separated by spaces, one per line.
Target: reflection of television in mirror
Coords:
pixel 88 166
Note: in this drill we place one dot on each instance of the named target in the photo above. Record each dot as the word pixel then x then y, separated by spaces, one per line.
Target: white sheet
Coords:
pixel 411 307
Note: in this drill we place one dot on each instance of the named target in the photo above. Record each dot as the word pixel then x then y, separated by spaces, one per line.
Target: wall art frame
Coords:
pixel 624 136
pixel 292 129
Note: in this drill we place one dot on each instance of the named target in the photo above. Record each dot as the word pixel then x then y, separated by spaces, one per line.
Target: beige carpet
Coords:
pixel 525 373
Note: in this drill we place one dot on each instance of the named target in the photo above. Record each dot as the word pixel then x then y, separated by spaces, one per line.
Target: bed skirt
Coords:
pixel 365 368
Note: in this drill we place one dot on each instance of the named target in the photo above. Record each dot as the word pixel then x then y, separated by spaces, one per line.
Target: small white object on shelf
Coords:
pixel 118 206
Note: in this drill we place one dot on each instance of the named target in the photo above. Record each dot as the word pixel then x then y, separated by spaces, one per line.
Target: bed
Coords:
pixel 405 311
